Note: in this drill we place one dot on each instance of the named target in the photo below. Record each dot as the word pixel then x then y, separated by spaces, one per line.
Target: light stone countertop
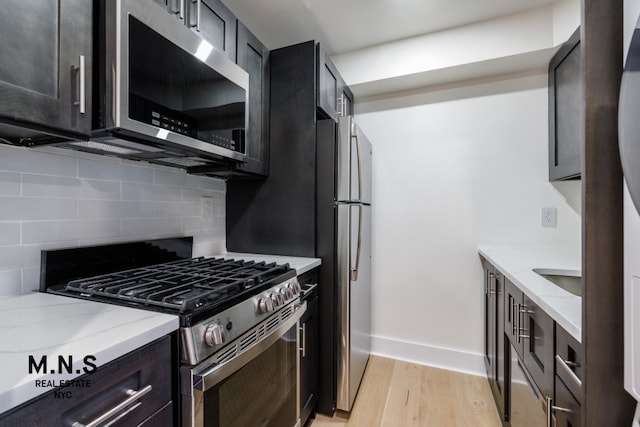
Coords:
pixel 517 264
pixel 40 324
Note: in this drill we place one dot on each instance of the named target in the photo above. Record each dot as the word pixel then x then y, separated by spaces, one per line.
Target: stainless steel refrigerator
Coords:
pixel 348 237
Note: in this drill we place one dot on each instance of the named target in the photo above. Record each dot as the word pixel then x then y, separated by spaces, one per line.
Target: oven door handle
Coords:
pixel 203 381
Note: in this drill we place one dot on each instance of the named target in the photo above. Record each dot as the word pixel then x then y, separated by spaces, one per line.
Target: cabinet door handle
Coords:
pixel 198 9
pixel 80 71
pixel 340 110
pixel 514 318
pixel 522 310
pixel 563 365
pixel 303 330
pixel 490 290
pixel 309 288
pixel 120 407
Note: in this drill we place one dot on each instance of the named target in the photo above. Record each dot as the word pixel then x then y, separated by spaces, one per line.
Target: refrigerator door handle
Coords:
pixel 354 271
pixel 354 134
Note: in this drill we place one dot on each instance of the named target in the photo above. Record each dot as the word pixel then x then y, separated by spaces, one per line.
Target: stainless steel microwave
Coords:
pixel 162 92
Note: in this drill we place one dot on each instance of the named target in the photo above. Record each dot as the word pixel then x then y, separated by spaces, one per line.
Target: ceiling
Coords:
pixel 346 25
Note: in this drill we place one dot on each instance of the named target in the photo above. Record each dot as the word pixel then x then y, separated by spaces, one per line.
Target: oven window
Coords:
pixel 171 89
pixel 262 393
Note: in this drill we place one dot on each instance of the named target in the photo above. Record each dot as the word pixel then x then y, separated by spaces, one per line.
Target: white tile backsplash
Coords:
pixel 37 208
pixel 10 282
pixel 52 198
pixel 156 193
pixel 64 231
pixel 9 233
pixel 9 184
pixel 114 171
pixel 14 159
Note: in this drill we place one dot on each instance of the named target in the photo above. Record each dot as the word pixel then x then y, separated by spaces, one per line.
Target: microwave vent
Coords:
pixel 92 145
pixel 183 161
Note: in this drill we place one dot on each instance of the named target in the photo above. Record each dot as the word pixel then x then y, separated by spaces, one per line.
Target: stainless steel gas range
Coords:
pixel 238 335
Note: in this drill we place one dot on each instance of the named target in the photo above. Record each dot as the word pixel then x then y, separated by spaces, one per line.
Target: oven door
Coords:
pixel 246 385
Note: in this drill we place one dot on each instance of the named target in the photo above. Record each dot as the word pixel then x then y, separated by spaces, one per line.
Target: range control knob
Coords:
pixel 295 287
pixel 265 305
pixel 288 293
pixel 213 335
pixel 278 299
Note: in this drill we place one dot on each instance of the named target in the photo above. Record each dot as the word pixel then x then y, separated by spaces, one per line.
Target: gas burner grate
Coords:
pixel 183 285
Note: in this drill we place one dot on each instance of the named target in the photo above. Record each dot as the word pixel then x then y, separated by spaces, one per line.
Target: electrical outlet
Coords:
pixel 207 207
pixel 549 217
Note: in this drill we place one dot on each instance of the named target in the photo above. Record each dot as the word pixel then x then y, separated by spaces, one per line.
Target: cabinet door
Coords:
pixel 567 411
pixel 215 22
pixel 345 101
pixel 309 360
pixel 253 57
pixel 494 335
pixel 329 84
pixel 569 361
pixel 538 330
pixel 45 74
pixel 566 107
pixel 512 303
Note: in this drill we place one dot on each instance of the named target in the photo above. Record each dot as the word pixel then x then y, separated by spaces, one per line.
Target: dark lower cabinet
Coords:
pixel 309 348
pixel 45 73
pixel 494 342
pixel 566 409
pixel 569 363
pixel 146 372
pixel 538 369
pixel 537 330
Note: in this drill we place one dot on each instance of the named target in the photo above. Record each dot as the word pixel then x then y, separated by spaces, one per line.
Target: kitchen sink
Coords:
pixel 569 280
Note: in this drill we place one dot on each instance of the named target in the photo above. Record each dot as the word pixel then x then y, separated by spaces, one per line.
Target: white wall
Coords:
pixel 454 169
pixel 54 198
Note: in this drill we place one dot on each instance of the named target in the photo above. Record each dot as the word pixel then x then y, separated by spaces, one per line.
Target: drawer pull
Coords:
pixel 310 287
pixel 120 407
pixel 563 365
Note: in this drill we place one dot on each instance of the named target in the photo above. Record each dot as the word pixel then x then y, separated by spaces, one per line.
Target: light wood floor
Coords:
pixel 401 394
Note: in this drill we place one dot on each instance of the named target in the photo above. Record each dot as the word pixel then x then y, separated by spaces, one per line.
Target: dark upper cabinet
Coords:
pixel 45 73
pixel 215 22
pixel 566 111
pixel 210 18
pixel 253 57
pixel 334 97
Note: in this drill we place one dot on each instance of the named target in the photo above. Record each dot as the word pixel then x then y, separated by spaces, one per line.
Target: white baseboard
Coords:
pixel 445 358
